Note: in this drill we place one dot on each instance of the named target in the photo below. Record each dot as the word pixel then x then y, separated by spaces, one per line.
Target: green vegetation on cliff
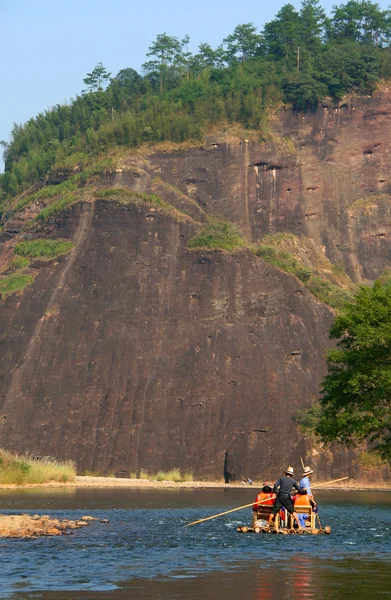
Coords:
pixel 22 470
pixel 298 256
pixel 126 196
pixel 218 235
pixel 300 57
pixel 283 260
pixel 355 403
pixel 44 248
pixel 15 282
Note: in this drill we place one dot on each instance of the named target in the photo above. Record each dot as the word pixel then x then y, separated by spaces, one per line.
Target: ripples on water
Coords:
pixel 147 552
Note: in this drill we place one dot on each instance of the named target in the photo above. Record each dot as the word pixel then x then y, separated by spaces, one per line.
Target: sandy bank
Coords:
pixel 112 482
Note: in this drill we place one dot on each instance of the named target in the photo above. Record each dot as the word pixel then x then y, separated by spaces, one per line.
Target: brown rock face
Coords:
pixel 134 353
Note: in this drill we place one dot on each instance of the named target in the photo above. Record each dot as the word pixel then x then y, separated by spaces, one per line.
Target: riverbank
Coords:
pixel 113 482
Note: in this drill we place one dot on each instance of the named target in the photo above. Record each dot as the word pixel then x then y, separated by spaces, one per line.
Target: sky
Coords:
pixel 47 47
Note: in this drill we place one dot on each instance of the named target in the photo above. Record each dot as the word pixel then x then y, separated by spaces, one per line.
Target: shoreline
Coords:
pixel 83 482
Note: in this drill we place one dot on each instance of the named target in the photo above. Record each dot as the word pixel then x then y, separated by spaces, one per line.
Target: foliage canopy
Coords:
pixel 300 57
pixel 356 392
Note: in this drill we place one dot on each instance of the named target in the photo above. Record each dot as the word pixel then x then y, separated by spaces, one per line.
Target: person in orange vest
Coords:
pixel 266 494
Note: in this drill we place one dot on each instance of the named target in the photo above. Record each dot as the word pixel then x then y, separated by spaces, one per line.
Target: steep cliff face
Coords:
pixel 326 177
pixel 133 352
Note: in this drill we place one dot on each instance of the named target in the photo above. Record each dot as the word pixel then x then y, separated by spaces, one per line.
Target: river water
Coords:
pixel 147 553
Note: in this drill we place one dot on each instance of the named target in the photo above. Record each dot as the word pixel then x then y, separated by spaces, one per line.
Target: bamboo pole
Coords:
pixel 227 512
pixel 230 511
pixel 328 482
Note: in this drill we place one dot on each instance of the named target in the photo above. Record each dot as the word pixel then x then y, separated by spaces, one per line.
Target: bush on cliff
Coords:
pixel 15 282
pixel 21 470
pixel 218 235
pixel 43 248
pixel 284 260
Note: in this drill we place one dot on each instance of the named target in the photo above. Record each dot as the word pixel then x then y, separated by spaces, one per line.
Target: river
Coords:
pixel 147 553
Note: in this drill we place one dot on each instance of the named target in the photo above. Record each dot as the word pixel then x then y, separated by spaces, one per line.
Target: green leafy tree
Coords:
pixel 356 392
pixel 282 35
pixel 361 21
pixel 166 52
pixel 97 80
pixel 312 18
pixel 243 43
pixel 304 91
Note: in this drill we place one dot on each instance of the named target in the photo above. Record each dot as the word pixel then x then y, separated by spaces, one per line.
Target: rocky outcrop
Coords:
pixel 33 526
pixel 134 353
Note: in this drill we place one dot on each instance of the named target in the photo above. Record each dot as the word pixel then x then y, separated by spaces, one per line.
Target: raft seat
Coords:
pixel 303 507
pixel 263 512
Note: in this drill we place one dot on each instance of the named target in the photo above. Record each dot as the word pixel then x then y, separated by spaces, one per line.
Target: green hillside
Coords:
pixel 300 58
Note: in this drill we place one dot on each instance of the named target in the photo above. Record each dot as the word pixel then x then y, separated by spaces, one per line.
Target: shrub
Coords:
pixel 172 475
pixel 308 418
pixel 125 196
pixel 284 260
pixel 22 470
pixel 327 292
pixel 56 207
pixel 14 283
pixel 19 262
pixel 218 236
pixel 43 248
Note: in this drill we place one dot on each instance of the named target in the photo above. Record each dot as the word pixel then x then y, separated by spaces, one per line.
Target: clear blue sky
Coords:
pixel 47 46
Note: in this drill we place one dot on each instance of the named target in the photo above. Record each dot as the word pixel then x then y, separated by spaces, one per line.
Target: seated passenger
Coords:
pixel 265 494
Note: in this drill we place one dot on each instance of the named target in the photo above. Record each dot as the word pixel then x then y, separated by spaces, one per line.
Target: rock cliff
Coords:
pixel 135 353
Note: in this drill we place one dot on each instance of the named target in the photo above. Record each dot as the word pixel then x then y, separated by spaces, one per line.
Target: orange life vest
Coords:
pixel 270 500
pixel 302 500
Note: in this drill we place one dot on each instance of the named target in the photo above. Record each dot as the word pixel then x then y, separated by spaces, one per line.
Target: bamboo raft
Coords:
pixel 263 512
pixel 284 530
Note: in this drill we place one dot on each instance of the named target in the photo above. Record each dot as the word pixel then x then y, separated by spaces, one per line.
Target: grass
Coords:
pixel 284 260
pixel 14 283
pixel 63 191
pixel 172 475
pixel 21 470
pixel 125 196
pixel 68 163
pixel 19 262
pixel 327 282
pixel 218 235
pixel 88 473
pixel 56 207
pixel 368 203
pixel 329 293
pixel 43 248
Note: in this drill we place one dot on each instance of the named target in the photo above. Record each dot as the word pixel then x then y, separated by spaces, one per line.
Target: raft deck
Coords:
pixel 285 531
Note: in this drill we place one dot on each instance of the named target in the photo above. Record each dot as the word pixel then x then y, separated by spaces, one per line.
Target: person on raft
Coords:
pixel 305 481
pixel 283 488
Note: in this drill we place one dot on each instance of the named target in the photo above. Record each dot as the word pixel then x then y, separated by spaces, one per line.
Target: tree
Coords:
pixel 361 21
pixel 312 18
pixel 242 43
pixel 356 392
pixel 282 36
pixel 97 79
pixel 303 91
pixel 167 52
